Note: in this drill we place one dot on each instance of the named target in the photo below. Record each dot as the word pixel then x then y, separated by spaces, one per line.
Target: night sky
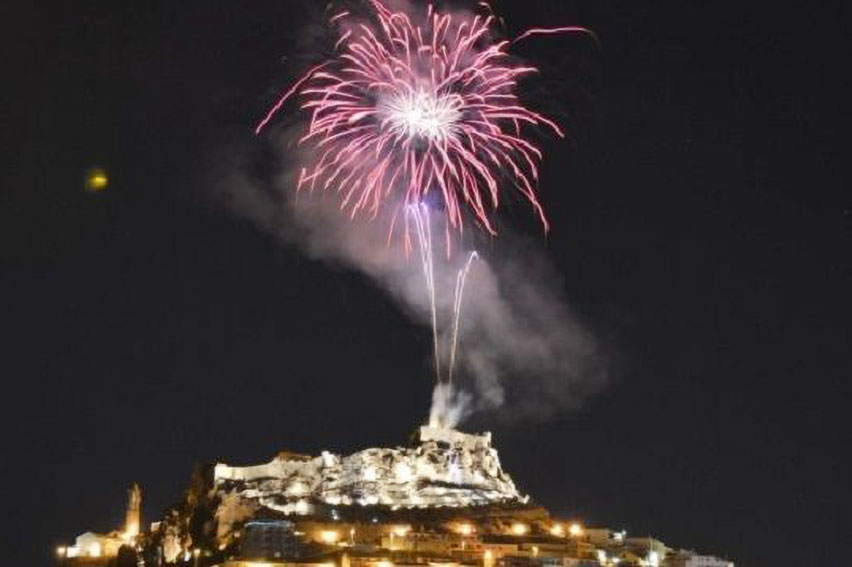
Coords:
pixel 703 227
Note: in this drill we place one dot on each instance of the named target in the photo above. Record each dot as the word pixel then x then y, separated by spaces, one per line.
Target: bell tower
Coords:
pixel 134 506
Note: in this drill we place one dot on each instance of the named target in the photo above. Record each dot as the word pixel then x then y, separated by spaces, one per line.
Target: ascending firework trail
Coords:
pixel 461 278
pixel 423 229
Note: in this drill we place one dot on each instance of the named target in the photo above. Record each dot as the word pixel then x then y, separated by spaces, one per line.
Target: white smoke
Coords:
pixel 522 349
pixel 449 406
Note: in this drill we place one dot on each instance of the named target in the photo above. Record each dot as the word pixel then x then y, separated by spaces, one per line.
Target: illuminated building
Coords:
pixel 92 548
pixel 686 558
pixel 270 540
pixel 603 537
pixel 652 550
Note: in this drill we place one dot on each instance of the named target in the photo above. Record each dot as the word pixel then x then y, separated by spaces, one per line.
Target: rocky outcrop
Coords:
pixel 444 468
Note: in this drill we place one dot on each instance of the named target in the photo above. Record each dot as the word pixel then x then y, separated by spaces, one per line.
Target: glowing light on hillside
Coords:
pixel 575 530
pixel 329 537
pixel 400 531
pixel 520 529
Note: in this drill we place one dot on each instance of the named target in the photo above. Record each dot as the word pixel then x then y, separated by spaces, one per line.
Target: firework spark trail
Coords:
pixel 552 31
pixel 420 214
pixel 457 305
pixel 285 97
pixel 422 228
pixel 415 103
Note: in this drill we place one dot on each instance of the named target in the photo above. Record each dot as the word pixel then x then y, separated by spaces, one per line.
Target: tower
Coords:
pixel 134 505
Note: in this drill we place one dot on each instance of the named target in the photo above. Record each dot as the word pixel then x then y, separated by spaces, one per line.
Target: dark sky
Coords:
pixel 703 227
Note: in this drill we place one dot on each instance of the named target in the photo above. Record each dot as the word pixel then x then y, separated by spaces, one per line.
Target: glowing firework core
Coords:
pixel 424 115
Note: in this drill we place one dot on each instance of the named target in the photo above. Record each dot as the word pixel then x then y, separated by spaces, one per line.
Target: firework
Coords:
pixel 418 103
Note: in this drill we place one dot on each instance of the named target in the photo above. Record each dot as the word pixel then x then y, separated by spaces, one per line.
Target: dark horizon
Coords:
pixel 702 226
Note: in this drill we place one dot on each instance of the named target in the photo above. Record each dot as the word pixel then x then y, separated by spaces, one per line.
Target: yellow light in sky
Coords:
pixel 96 180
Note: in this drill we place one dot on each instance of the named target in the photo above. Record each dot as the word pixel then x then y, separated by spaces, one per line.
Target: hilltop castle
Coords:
pixel 442 500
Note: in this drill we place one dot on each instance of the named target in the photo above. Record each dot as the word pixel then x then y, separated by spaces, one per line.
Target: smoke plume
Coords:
pixel 522 349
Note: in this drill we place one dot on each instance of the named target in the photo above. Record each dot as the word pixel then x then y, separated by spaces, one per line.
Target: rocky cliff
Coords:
pixel 443 468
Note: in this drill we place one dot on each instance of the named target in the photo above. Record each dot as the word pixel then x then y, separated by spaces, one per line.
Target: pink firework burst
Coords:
pixel 413 104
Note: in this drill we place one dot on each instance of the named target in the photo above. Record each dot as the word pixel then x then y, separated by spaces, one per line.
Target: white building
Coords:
pixel 685 558
pixel 91 544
